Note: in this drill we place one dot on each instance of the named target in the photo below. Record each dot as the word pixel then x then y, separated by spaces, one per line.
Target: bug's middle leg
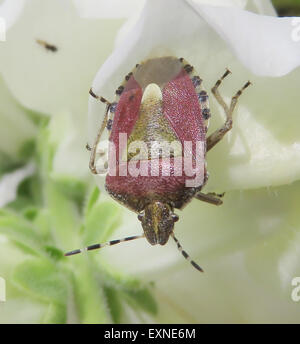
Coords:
pixel 216 136
pixel 210 197
pixel 93 149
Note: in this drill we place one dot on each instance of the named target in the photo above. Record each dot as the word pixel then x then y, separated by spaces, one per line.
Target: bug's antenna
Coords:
pixel 109 243
pixel 186 256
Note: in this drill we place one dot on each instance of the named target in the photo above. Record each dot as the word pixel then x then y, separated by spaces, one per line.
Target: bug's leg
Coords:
pixel 216 136
pixel 103 125
pixel 211 197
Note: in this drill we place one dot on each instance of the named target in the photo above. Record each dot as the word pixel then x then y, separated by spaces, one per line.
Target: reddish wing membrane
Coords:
pixel 181 107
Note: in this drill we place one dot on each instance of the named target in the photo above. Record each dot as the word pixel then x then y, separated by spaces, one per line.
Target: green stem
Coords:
pixel 89 295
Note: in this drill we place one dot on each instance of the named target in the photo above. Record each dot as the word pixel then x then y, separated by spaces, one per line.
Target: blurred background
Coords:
pixel 50 204
pixel 287 8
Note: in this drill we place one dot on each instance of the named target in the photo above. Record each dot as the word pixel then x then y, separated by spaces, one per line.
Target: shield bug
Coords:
pixel 157 144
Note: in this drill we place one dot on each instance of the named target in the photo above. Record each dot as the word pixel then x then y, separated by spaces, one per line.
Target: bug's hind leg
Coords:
pixel 211 197
pixel 93 149
pixel 216 136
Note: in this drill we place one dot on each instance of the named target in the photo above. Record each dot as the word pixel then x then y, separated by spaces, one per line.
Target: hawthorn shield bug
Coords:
pixel 157 144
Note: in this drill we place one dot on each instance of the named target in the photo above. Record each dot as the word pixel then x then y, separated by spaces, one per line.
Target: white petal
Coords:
pixel 261 7
pixel 225 3
pixel 107 9
pixel 9 183
pixel 49 81
pixel 265 45
pixel 68 135
pixel 255 6
pixel 16 128
pixel 10 10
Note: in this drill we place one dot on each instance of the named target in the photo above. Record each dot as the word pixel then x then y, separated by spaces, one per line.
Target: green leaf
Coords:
pixel 7 164
pixel 114 304
pixel 72 188
pixel 133 291
pixel 17 229
pixel 19 204
pixel 30 213
pixel 27 150
pixel 42 280
pixel 287 7
pixel 55 314
pixel 38 118
pixel 42 223
pixel 31 189
pixel 142 299
pixel 100 222
pixel 54 252
pixel 92 199
pixel 45 152
pixel 118 280
pixel 89 296
pixel 63 215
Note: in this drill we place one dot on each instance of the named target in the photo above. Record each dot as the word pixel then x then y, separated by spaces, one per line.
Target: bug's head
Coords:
pixel 158 222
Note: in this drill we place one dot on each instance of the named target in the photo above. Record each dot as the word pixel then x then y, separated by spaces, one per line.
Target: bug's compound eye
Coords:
pixel 175 217
pixel 141 216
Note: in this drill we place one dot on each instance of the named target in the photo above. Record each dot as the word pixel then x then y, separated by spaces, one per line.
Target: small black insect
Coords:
pixel 47 46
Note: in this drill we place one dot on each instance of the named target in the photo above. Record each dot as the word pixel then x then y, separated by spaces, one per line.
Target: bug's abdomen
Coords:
pixel 151 184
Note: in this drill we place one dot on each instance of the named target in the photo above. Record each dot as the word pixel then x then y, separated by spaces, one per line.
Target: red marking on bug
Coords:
pixel 182 108
pixel 127 111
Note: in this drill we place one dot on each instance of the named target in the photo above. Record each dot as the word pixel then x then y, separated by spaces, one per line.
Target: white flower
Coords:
pixel 238 243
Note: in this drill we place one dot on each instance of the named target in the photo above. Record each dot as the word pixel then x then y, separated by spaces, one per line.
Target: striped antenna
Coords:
pixel 109 243
pixel 186 256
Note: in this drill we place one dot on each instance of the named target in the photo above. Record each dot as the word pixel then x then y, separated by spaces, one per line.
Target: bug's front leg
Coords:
pixel 216 136
pixel 104 124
